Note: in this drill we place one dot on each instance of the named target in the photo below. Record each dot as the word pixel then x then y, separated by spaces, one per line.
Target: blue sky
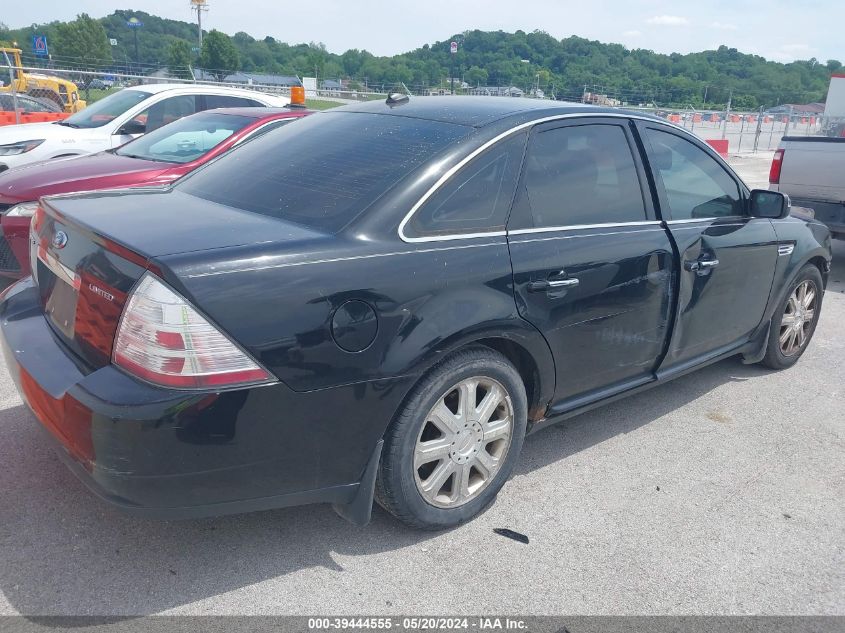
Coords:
pixel 777 30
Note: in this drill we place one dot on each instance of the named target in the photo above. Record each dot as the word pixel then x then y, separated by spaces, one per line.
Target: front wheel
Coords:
pixel 455 442
pixel 794 322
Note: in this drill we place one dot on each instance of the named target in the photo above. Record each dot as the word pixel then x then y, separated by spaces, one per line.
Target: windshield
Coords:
pixel 186 139
pixel 105 110
pixel 325 170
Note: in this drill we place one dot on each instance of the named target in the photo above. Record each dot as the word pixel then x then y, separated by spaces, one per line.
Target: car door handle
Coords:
pixel 544 285
pixel 700 264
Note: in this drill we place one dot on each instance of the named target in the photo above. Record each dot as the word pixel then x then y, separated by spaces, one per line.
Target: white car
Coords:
pixel 119 118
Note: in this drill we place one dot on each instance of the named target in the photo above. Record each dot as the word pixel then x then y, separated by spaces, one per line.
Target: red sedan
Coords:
pixel 155 159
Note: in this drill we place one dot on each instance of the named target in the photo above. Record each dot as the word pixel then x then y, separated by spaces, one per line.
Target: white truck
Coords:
pixel 811 171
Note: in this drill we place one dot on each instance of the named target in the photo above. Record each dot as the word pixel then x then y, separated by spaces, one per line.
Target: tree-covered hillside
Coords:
pixel 563 68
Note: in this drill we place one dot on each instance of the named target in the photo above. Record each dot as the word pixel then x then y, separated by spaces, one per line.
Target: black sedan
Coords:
pixel 381 300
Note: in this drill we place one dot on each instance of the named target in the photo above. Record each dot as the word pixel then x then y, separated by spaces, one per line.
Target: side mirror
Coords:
pixel 769 204
pixel 132 127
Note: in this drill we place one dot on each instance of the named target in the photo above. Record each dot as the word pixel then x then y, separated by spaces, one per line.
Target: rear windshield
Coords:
pixel 323 171
pixel 186 139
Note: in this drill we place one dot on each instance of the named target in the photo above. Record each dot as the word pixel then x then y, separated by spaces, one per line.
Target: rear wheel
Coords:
pixel 794 323
pixel 455 442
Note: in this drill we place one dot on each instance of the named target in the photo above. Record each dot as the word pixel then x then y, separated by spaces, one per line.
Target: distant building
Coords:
pixel 459 83
pixel 810 109
pixel 496 91
pixel 249 79
pixel 331 85
pixel 600 99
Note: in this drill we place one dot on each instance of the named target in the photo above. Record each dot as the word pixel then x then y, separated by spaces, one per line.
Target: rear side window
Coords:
pixel 167 111
pixel 583 174
pixel 225 101
pixel 477 199
pixel 324 170
pixel 696 185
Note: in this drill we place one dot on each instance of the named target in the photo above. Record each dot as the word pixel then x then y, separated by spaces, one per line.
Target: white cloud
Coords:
pixel 632 34
pixel 791 52
pixel 724 26
pixel 798 49
pixel 668 20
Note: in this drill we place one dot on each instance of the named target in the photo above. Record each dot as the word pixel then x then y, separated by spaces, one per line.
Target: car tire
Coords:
pixel 787 342
pixel 471 452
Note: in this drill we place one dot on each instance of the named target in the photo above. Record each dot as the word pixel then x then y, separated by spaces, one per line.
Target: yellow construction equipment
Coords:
pixel 61 91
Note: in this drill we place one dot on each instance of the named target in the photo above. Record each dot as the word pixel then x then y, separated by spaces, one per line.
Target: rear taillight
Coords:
pixel 164 340
pixel 777 163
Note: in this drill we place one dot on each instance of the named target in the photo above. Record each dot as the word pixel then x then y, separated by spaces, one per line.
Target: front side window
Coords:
pixel 696 185
pixel 581 174
pixel 106 110
pixel 478 198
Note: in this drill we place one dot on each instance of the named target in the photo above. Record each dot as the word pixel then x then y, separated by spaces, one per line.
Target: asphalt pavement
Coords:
pixel 721 492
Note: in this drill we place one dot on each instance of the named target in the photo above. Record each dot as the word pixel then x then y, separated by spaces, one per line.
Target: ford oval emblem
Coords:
pixel 60 239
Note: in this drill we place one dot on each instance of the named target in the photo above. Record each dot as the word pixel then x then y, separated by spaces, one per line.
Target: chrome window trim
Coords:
pixel 466 159
pixel 710 219
pixel 577 227
pixel 691 220
pixel 568 236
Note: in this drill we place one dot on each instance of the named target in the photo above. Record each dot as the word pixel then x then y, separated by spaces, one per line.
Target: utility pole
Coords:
pixel 727 113
pixel 135 24
pixel 199 6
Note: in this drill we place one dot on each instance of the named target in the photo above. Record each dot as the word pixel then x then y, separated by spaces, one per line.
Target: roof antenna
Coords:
pixel 396 99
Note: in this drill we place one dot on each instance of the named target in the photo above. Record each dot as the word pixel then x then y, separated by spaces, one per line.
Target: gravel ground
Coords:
pixel 721 492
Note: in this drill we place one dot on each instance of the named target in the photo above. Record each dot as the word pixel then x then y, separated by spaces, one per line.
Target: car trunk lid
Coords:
pixel 89 251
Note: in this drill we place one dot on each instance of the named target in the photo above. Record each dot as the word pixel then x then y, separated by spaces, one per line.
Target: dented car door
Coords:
pixel 593 267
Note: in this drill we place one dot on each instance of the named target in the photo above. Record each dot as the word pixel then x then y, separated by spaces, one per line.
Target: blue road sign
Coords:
pixel 39 45
pixel 134 23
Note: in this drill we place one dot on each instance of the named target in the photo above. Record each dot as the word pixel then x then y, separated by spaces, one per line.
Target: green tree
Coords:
pixel 219 55
pixel 82 41
pixel 476 76
pixel 179 59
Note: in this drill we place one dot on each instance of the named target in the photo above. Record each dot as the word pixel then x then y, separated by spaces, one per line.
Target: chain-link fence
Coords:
pixel 94 82
pixel 743 131
pixel 752 131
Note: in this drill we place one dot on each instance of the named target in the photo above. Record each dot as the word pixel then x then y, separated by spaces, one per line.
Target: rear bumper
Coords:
pixel 176 454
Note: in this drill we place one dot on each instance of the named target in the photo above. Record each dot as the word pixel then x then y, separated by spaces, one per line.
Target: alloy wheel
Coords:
pixel 798 318
pixel 463 442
